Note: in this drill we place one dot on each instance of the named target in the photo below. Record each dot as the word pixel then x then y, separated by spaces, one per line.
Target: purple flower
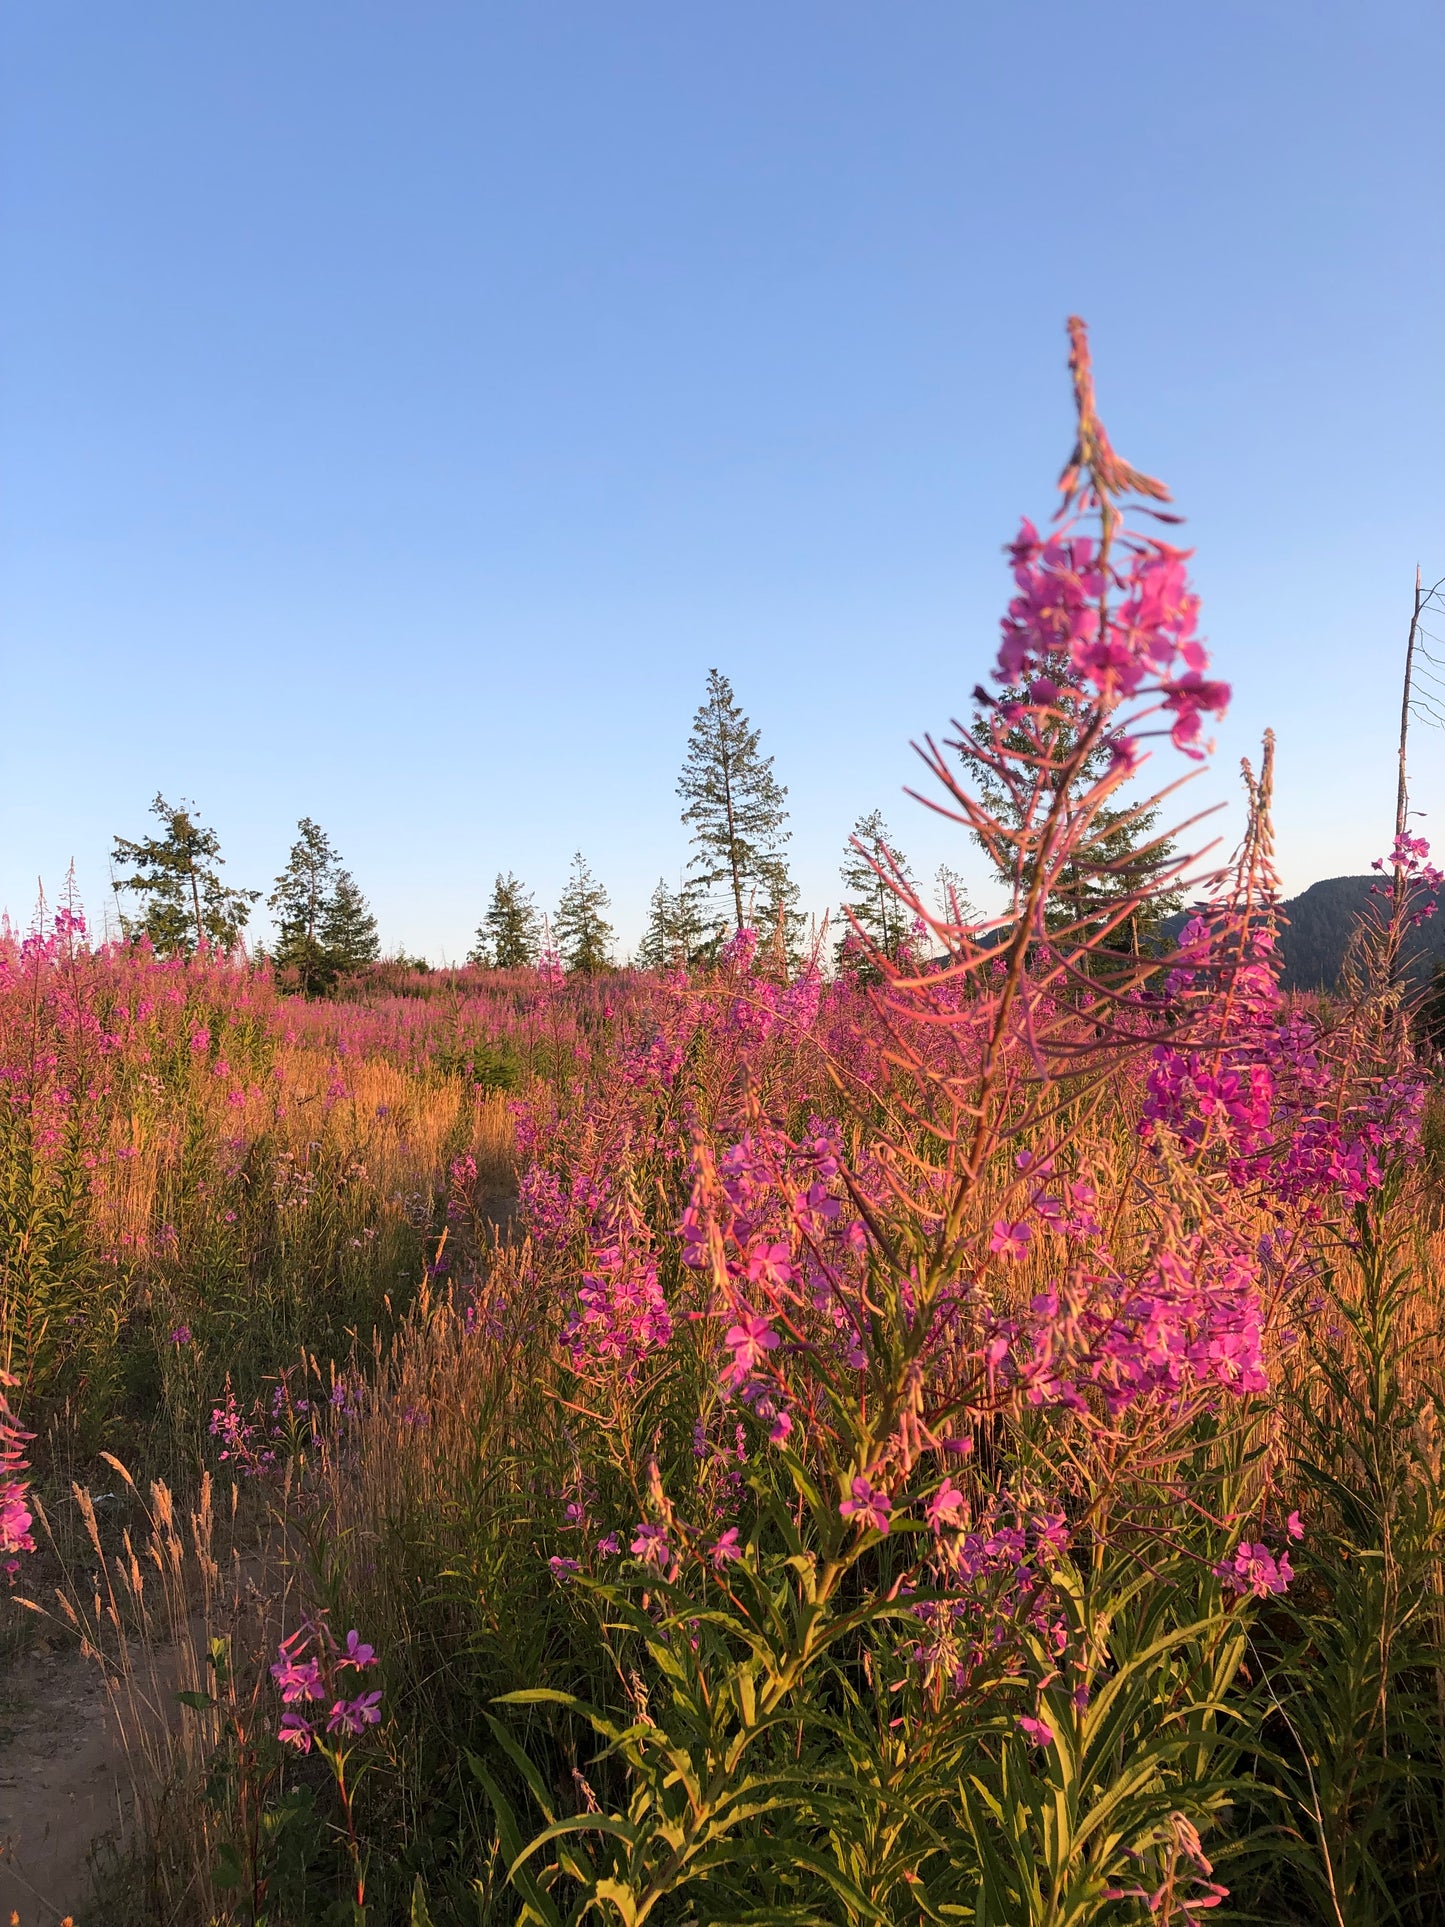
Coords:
pixel 725 1548
pixel 298 1680
pixel 181 1335
pixel 354 1716
pixel 869 1505
pixel 295 1731
pixel 357 1653
pixel 650 1546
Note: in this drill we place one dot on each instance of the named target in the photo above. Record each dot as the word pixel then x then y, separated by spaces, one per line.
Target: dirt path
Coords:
pixel 59 1785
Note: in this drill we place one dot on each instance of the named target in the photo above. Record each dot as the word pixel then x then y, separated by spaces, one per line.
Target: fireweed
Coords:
pixel 322 1685
pixel 951 1613
pixel 15 1514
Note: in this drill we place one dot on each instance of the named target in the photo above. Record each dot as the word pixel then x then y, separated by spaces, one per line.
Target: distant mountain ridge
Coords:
pixel 1321 922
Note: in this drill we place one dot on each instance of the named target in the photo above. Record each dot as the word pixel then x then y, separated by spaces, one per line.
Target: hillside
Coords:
pixel 1321 920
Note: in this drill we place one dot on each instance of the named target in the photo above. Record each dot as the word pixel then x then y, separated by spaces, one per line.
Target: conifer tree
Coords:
pixel 736 809
pixel 349 938
pixel 779 922
pixel 870 905
pixel 510 929
pixel 1126 853
pixel 581 929
pixel 675 932
pixel 185 903
pixel 300 899
pixel 954 903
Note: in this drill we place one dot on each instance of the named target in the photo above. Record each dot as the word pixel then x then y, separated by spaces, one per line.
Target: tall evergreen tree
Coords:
pixel 870 904
pixel 954 903
pixel 176 876
pixel 675 933
pixel 583 934
pixel 299 899
pixel 736 809
pixel 510 929
pixel 349 938
pixel 1126 853
pixel 780 924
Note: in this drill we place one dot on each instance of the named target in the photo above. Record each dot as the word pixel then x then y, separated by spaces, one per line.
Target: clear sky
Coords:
pixel 403 405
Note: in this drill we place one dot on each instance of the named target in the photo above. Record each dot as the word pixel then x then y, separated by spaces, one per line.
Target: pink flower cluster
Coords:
pixel 769 1225
pixel 15 1515
pixel 620 1316
pixel 313 1669
pixel 994 1571
pixel 1265 1096
pixel 1193 1324
pixel 1052 639
pixel 1409 860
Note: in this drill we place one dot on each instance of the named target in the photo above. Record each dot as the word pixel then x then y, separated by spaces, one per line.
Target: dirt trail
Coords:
pixel 60 1778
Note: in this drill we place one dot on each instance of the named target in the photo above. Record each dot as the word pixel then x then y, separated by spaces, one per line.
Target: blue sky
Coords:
pixel 402 407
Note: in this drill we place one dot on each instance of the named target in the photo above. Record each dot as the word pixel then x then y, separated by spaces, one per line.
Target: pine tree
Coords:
pixel 779 922
pixel 349 939
pixel 870 905
pixel 510 929
pixel 300 899
pixel 583 934
pixel 736 809
pixel 675 933
pixel 955 905
pixel 176 875
pixel 1126 853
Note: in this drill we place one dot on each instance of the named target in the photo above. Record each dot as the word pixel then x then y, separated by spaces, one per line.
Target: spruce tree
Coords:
pixel 510 929
pixel 954 903
pixel 736 809
pixel 675 932
pixel 779 922
pixel 583 934
pixel 299 899
pixel 870 905
pixel 349 940
pixel 1126 854
pixel 185 903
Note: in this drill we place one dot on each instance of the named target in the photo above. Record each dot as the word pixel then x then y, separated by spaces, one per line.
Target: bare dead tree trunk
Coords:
pixel 1402 787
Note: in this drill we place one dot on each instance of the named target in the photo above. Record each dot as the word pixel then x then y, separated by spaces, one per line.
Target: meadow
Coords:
pixel 956 1438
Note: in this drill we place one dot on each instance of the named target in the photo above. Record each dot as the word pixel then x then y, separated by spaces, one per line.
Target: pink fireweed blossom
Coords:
pixel 1039 1731
pixel 749 1341
pixel 1010 1240
pixel 354 1716
pixel 650 1546
pixel 308 1670
pixel 947 1508
pixel 1255 1571
pixel 298 1681
pixel 15 1514
pixel 725 1549
pixel 868 1505
pixel 357 1652
pixel 296 1731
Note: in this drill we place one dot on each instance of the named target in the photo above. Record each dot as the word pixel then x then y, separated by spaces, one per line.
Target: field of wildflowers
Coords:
pixel 954 1442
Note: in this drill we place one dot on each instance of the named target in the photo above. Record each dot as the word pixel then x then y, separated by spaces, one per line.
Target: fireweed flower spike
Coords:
pixel 15 1515
pixel 312 1669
